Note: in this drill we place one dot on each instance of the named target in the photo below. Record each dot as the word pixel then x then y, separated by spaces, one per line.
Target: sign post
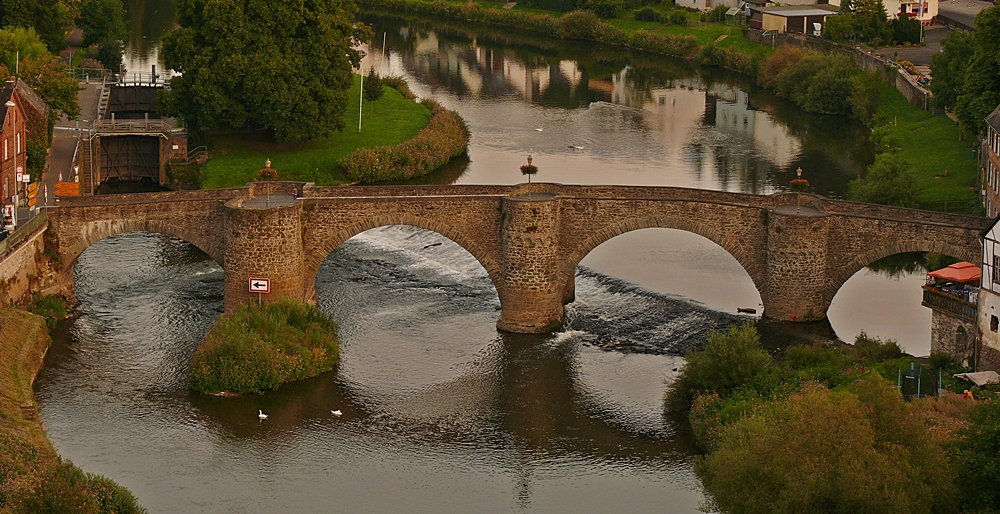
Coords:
pixel 260 286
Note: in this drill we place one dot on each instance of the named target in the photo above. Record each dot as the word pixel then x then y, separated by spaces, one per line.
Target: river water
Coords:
pixel 441 412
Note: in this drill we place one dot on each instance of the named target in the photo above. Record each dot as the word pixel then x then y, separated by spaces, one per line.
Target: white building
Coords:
pixel 988 349
pixel 922 10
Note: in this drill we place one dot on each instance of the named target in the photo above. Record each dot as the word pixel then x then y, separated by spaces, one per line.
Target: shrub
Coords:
pixel 730 360
pixel 37 155
pixel 677 18
pixel 712 55
pixel 578 25
pixel 905 30
pixel 399 84
pixel 823 451
pixel 66 489
pixel 444 137
pixel 262 347
pixel 50 307
pixel 873 349
pixel 888 182
pixel 782 59
pixel 606 9
pixel 648 14
pixel 977 456
pixel 866 96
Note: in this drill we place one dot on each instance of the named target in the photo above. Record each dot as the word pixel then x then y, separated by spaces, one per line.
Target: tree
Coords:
pixel 981 84
pixel 949 65
pixel 841 27
pixel 873 21
pixel 282 65
pixel 857 451
pixel 905 30
pixel 977 454
pixel 40 70
pixel 101 21
pixel 373 87
pixel 888 182
pixel 866 96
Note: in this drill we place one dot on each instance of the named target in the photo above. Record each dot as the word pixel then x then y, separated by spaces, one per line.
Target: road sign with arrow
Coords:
pixel 260 285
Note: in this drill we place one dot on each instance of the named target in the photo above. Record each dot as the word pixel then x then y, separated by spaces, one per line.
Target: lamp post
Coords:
pixel 529 169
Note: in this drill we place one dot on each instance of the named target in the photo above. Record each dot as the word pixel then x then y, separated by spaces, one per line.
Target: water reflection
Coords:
pixel 147 20
pixel 592 114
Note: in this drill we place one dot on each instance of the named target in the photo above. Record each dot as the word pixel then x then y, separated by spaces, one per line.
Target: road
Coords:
pixel 963 11
pixel 64 139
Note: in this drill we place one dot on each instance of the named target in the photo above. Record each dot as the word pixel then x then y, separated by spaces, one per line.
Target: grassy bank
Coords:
pixel 33 479
pixel 237 156
pixel 944 166
pixel 257 348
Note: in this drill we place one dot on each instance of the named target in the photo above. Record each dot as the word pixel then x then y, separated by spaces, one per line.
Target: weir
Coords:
pixel 797 248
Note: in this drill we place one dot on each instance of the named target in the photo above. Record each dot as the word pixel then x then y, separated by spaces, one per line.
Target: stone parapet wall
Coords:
pixel 24 271
pixel 263 243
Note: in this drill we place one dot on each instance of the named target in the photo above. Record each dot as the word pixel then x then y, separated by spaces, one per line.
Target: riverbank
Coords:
pixel 236 156
pixel 943 165
pixel 262 347
pixel 33 478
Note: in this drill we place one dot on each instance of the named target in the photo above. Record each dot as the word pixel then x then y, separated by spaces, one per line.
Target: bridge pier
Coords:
pixel 263 243
pixel 531 297
pixel 796 263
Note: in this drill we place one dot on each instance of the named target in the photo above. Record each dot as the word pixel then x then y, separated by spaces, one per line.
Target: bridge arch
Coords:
pixel 731 243
pixel 331 242
pixel 93 231
pixel 839 276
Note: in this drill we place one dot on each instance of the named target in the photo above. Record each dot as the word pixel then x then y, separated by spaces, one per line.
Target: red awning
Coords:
pixel 958 272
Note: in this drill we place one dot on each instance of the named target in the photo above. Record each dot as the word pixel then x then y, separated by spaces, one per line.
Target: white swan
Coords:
pixel 261 415
pixel 539 129
pixel 337 413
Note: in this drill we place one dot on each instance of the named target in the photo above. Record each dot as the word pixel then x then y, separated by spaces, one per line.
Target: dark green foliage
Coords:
pixel 102 21
pixel 872 20
pixel 257 348
pixel 677 17
pixel 867 94
pixel 711 55
pixel 834 452
pixel 905 30
pixel 981 85
pixel 648 14
pixel 819 83
pixel 888 182
pixel 729 361
pixel 606 9
pixel 41 70
pixel 280 65
pixel 841 27
pixel 49 18
pixel 977 458
pixel 578 25
pixel 37 155
pixel 373 86
pixel 50 307
pixel 109 53
pixel 949 65
pixel 873 349
pixel 553 5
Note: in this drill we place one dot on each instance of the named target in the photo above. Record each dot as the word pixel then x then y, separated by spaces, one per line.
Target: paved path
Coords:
pixel 963 11
pixel 64 139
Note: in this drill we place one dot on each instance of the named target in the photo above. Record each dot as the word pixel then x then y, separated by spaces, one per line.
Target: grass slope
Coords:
pixel 930 145
pixel 236 157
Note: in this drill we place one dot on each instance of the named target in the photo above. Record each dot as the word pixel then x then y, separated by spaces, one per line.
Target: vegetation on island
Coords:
pixel 33 479
pixel 816 428
pixel 281 66
pixel 261 347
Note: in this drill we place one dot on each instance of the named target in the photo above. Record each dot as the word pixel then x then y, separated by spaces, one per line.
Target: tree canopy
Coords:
pixel 39 69
pixel 887 182
pixel 103 24
pixel 280 65
pixel 51 19
pixel 967 71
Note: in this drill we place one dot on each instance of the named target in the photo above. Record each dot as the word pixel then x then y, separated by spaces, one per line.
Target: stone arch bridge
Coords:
pixel 798 249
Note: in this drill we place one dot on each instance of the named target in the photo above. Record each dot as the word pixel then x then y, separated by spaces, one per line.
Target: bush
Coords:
pixel 866 96
pixel 444 137
pixel 399 84
pixel 823 451
pixel 648 14
pixel 888 182
pixel 677 18
pixel 730 360
pixel 37 155
pixel 783 58
pixel 262 347
pixel 977 458
pixel 905 30
pixel 873 349
pixel 50 307
pixel 606 9
pixel 578 25
pixel 68 490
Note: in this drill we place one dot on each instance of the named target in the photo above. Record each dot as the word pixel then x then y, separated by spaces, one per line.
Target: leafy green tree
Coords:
pixel 981 86
pixel 101 21
pixel 373 88
pixel 841 27
pixel 110 53
pixel 858 451
pixel 905 30
pixel 16 13
pixel 51 19
pixel 830 88
pixel 281 65
pixel 39 69
pixel 888 182
pixel 866 96
pixel 977 455
pixel 949 65
pixel 873 21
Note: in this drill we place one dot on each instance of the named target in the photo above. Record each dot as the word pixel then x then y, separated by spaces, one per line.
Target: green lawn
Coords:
pixel 236 157
pixel 931 146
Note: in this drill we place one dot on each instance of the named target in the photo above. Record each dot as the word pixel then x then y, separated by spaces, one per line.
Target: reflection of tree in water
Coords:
pixel 897 265
pixel 147 20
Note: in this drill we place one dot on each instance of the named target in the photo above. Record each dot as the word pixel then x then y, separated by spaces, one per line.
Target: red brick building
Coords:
pixel 25 117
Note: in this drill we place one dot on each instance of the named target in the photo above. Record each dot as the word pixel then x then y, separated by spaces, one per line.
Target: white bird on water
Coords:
pixel 539 129
pixel 261 415
pixel 337 413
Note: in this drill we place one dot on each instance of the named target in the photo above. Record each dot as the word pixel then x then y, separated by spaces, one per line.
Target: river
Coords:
pixel 442 412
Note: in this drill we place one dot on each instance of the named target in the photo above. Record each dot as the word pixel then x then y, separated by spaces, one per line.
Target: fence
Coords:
pixel 968 207
pixel 23 233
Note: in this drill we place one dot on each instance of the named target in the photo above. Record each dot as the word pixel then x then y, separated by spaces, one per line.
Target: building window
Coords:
pixel 994 323
pixel 996 270
pixel 18 138
pixel 6 155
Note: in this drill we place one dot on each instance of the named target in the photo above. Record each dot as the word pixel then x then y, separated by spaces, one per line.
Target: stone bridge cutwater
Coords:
pixel 798 249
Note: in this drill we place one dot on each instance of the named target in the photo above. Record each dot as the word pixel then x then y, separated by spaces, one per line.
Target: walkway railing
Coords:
pixel 136 127
pixel 23 233
pixel 937 299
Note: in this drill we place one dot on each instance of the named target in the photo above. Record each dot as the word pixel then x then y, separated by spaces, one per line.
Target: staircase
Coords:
pixel 86 177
